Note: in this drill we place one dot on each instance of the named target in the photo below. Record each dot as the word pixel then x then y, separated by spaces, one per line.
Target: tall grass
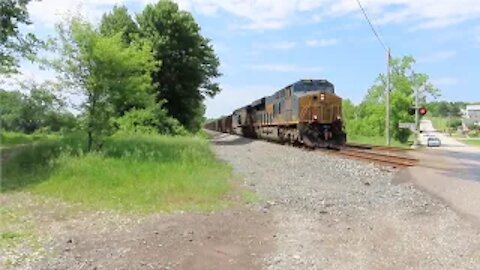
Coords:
pixel 8 138
pixel 377 140
pixel 132 173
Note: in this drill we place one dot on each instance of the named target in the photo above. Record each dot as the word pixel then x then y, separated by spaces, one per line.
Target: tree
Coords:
pixel 370 113
pixel 11 103
pixel 114 77
pixel 186 61
pixel 13 13
pixel 119 21
pixel 39 109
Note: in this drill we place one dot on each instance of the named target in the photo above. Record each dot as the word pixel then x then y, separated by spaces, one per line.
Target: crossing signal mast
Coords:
pixel 418 111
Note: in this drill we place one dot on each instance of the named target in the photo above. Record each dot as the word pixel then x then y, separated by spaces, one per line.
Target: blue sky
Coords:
pixel 267 44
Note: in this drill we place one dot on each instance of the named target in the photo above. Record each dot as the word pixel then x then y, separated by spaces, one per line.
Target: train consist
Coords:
pixel 306 112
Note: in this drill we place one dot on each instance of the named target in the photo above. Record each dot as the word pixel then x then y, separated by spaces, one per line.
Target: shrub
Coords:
pixel 149 121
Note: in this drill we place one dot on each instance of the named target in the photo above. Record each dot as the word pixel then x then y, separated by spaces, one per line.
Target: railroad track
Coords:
pixel 376 147
pixel 374 155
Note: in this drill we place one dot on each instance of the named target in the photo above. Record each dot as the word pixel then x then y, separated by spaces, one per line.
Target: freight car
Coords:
pixel 307 112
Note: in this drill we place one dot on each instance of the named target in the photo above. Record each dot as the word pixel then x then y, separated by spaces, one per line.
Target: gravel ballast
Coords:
pixel 336 213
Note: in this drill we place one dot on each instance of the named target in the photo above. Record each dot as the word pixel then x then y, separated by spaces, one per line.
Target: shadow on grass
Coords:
pixel 28 165
pixel 34 163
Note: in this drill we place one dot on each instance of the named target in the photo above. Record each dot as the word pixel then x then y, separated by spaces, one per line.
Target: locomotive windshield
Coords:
pixel 314 85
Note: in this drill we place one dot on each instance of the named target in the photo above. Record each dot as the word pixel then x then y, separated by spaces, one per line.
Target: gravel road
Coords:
pixel 334 213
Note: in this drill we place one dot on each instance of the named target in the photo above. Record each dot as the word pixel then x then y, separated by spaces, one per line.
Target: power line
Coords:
pixel 371 26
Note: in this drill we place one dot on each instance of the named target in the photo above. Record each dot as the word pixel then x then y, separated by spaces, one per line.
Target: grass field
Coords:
pixel 440 123
pixel 13 138
pixel 472 142
pixel 377 140
pixel 141 173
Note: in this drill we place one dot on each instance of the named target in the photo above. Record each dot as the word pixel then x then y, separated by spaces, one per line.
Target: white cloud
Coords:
pixel 437 57
pixel 321 42
pixel 274 14
pixel 285 68
pixel 49 12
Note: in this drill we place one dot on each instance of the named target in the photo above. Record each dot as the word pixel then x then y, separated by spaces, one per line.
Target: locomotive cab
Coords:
pixel 320 113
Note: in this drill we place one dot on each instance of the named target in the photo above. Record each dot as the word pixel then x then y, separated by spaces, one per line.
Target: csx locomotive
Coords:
pixel 306 112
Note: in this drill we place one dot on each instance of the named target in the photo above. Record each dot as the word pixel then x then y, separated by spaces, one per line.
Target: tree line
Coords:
pixel 368 118
pixel 144 73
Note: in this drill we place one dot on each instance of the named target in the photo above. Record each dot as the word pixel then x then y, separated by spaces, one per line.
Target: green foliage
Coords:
pixel 119 21
pixel 474 142
pixel 473 133
pixel 375 140
pixel 12 43
pixel 445 109
pixel 348 110
pixel 149 121
pixel 13 138
pixel 114 77
pixel 188 62
pixel 132 173
pixel 454 123
pixel 39 109
pixel 368 118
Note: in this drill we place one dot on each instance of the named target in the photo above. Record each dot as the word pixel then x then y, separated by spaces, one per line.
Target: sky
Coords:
pixel 264 45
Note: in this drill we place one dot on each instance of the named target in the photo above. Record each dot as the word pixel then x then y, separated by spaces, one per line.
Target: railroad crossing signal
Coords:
pixel 421 111
pixel 411 111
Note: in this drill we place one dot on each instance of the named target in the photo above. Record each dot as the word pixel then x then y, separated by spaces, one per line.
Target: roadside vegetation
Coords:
pixel 131 173
pixel 474 142
pixel 365 122
pixel 134 144
pixel 376 140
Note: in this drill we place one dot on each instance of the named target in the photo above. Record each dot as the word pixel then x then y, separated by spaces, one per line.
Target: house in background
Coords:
pixel 472 112
pixel 471 115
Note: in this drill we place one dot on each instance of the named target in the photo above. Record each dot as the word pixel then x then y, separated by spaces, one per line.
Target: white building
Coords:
pixel 473 112
pixel 471 116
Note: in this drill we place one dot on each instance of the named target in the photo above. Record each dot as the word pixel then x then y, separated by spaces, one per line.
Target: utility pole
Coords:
pixel 387 99
pixel 417 117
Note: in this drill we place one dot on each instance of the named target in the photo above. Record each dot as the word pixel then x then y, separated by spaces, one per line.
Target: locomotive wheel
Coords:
pixel 307 136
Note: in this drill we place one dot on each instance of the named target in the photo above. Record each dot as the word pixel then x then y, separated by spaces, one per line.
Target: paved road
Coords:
pixel 451 172
pixel 466 157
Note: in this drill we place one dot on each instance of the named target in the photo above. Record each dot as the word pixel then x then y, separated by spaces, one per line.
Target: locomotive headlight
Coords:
pixel 322 97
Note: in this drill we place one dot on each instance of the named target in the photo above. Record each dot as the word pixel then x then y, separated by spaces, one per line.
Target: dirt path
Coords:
pixel 235 238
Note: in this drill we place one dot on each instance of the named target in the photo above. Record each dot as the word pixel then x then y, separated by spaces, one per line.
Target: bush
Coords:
pixel 454 123
pixel 149 121
pixel 473 133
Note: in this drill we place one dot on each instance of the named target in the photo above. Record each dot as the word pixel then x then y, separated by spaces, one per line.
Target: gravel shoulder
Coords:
pixel 334 213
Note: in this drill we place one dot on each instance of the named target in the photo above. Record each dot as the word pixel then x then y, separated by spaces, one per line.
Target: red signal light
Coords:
pixel 422 111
